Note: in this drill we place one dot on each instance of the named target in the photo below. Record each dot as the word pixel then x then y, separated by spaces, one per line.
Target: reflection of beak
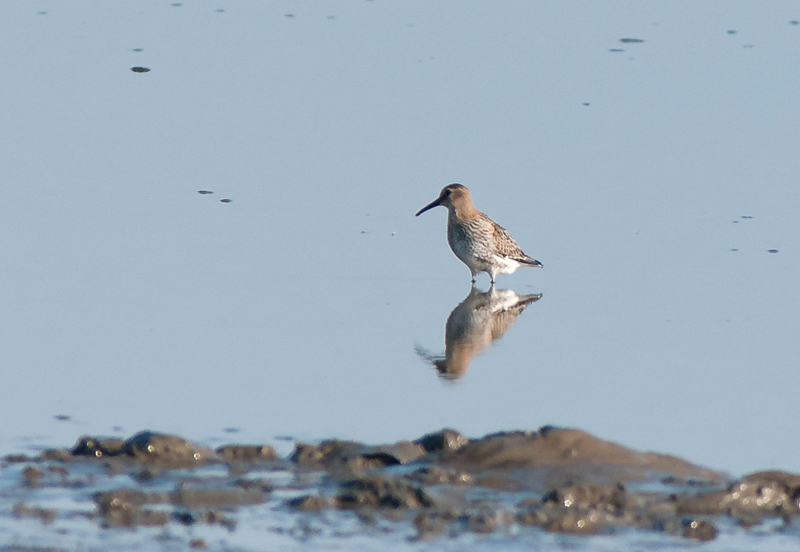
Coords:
pixel 435 203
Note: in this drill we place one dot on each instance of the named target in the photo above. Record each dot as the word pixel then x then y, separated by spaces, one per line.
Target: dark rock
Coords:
pixel 484 522
pixel 437 475
pixel 98 446
pixel 431 523
pixel 382 492
pixel 247 453
pixel 446 439
pixel 167 451
pixel 45 515
pixel 123 508
pixel 57 455
pixel 758 494
pixel 323 454
pixel 589 496
pixel 309 503
pixel 699 530
pixel 402 452
pixel 576 523
pixel 31 476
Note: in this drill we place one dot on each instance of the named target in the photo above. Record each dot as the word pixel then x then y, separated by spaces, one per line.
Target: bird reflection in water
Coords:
pixel 477 322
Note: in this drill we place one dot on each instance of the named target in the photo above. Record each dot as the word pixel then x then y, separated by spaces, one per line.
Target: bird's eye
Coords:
pixel 447 192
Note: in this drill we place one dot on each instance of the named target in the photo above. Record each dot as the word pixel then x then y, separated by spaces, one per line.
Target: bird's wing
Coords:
pixel 506 246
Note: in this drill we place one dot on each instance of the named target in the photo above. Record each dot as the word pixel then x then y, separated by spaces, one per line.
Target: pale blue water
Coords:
pixel 130 301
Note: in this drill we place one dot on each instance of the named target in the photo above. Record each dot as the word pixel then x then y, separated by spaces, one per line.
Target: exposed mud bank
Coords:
pixel 439 486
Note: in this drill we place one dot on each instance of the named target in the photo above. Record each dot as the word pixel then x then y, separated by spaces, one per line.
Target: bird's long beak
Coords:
pixel 435 203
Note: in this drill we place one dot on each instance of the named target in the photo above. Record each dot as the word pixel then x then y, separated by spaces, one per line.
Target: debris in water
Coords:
pixel 772 250
pixel 226 200
pixel 204 192
pixel 138 69
pixel 630 40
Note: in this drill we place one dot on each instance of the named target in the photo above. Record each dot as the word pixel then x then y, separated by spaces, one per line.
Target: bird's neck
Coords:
pixel 463 213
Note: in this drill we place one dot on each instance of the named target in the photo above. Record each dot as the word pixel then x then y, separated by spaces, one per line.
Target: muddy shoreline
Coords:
pixel 439 486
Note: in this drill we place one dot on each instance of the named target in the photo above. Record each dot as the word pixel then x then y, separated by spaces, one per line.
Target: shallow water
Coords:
pixel 128 300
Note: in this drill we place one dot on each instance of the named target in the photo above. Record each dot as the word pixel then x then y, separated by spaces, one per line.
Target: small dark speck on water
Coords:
pixel 331 17
pixel 176 4
pixel 204 192
pixel 138 69
pixel 747 45
pixel 231 430
pixel 61 417
pixel 747 216
pixel 138 49
pixel 219 10
pixel 289 15
pixel 734 249
pixel 772 250
pixel 731 31
pixel 363 231
pixel 630 40
pixel 585 103
pixel 226 200
pixel 41 13
pixel 735 221
pixel 794 22
pixel 616 50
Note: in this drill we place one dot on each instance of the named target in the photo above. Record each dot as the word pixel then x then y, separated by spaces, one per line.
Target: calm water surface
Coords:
pixel 650 182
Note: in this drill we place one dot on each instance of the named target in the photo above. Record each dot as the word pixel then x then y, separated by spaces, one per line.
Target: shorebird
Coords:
pixel 478 241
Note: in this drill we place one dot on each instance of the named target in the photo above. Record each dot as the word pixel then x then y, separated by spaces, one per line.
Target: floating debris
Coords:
pixel 732 31
pixel 772 250
pixel 138 69
pixel 747 216
pixel 630 40
pixel 137 50
pixel 289 15
pixel 616 50
pixel 585 103
pixel 792 22
pixel 734 249
pixel 61 417
pixel 204 192
pixel 747 45
pixel 226 200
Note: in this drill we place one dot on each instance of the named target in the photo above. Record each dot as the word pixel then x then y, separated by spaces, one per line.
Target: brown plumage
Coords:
pixel 478 241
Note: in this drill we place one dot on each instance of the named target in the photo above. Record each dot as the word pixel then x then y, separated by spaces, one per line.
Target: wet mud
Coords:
pixel 439 486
